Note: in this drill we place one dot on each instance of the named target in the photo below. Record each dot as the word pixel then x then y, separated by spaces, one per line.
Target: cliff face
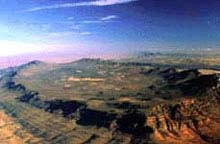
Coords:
pixel 191 119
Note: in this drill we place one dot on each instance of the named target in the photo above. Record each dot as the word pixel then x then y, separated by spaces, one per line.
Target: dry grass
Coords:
pixel 11 132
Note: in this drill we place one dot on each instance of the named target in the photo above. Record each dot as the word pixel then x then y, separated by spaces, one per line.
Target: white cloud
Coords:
pixel 88 3
pixel 70 18
pixel 109 2
pixel 54 35
pixel 59 34
pixel 75 26
pixel 110 17
pixel 91 22
pixel 101 20
pixel 85 33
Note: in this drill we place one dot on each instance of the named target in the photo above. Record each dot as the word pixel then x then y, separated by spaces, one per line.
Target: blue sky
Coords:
pixel 107 26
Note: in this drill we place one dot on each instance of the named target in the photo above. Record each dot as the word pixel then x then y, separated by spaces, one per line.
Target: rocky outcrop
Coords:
pixel 188 82
pixel 188 120
pixel 198 85
pixel 173 76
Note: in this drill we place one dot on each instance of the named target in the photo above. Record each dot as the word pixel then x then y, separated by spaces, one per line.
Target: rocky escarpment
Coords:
pixel 191 113
pixel 198 85
pixel 173 76
pixel 184 121
pixel 190 119
pixel 187 82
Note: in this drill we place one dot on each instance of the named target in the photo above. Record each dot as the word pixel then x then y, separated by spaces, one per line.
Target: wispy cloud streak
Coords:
pixel 105 19
pixel 66 34
pixel 110 17
pixel 69 5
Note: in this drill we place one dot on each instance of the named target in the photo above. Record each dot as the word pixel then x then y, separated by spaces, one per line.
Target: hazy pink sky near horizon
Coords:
pixel 55 57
